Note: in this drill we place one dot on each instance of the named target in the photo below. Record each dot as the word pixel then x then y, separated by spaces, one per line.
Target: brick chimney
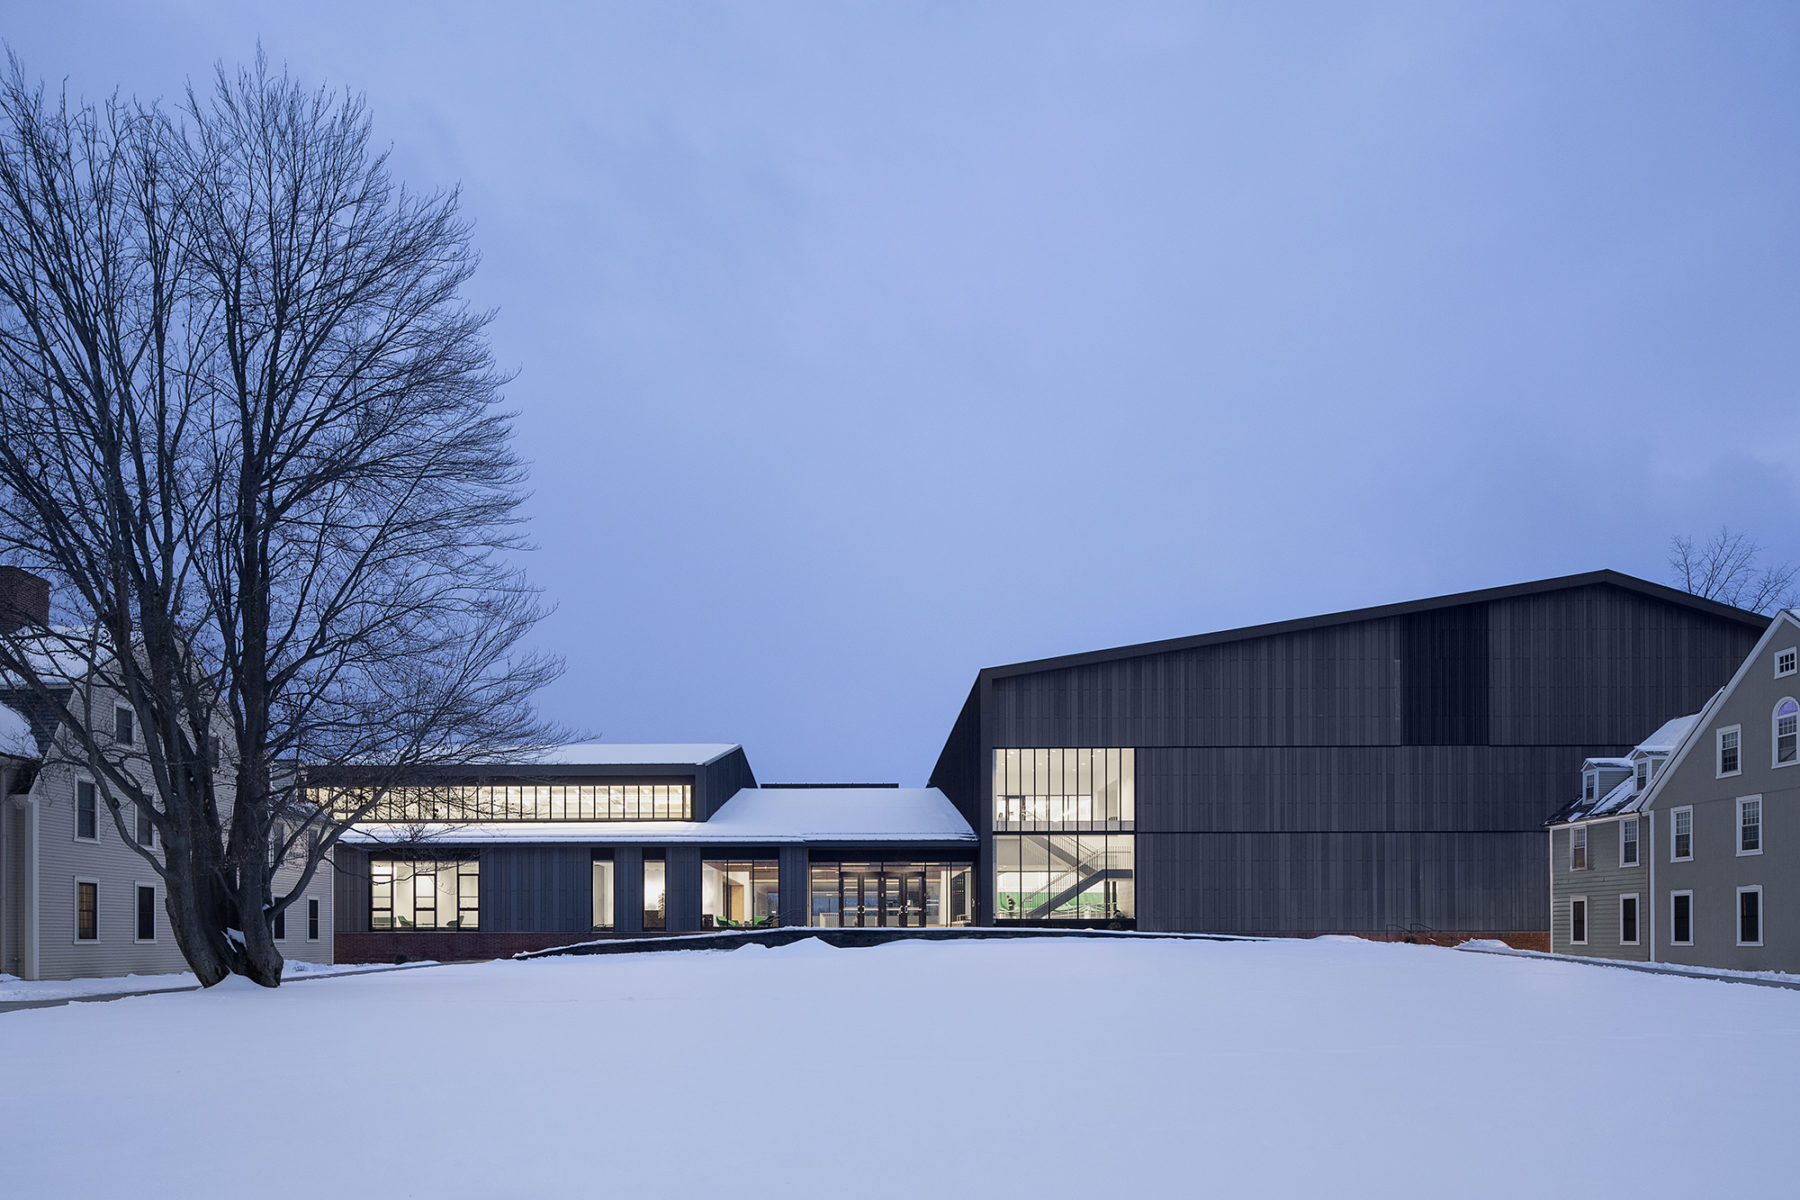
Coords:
pixel 24 599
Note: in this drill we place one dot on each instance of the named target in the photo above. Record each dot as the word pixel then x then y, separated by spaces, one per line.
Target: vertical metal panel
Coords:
pixel 628 882
pixel 350 889
pixel 683 882
pixel 794 885
pixel 537 889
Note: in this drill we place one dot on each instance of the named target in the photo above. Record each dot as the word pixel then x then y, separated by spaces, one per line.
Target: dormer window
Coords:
pixel 1590 785
pixel 1643 774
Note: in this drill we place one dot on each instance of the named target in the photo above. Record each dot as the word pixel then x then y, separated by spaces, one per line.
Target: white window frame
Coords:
pixel 1590 785
pixel 1761 833
pixel 1674 823
pixel 1633 897
pixel 1775 736
pixel 75 911
pixel 1637 843
pixel 1578 837
pixel 86 841
pixel 139 885
pixel 1792 653
pixel 1762 916
pixel 1690 899
pixel 1587 917
pixel 1641 772
pixel 313 907
pixel 1719 771
pixel 130 715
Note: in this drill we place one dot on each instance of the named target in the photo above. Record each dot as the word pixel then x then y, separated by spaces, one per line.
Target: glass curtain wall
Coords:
pixel 1064 847
pixel 861 895
pixel 418 893
pixel 739 894
pixel 603 891
pixel 656 893
pixel 673 801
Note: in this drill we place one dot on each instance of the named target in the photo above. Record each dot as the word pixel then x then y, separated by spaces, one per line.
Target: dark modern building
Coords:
pixel 1384 772
pixel 622 840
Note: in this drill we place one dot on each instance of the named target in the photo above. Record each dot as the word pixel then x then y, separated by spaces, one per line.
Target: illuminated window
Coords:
pixel 87 912
pixel 739 895
pixel 603 890
pixel 409 893
pixel 669 800
pixel 1063 848
pixel 656 893
pixel 854 895
pixel 1578 856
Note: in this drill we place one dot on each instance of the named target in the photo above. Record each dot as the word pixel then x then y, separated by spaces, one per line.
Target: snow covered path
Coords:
pixel 980 1069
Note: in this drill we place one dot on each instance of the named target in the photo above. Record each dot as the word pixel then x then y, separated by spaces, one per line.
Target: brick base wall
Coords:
pixel 1518 939
pixel 421 945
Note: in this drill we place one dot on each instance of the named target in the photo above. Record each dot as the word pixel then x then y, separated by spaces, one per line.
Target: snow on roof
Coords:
pixel 1669 736
pixel 766 816
pixel 622 754
pixel 16 737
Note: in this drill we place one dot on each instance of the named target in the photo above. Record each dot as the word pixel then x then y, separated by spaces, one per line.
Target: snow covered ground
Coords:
pixel 12 988
pixel 977 1069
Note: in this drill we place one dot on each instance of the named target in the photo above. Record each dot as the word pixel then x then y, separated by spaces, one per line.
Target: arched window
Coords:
pixel 1787 732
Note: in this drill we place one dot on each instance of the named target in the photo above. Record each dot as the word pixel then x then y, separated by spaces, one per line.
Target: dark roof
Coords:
pixel 1630 583
pixel 36 710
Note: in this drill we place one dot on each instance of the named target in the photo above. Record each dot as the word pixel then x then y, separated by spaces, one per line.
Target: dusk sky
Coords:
pixel 863 346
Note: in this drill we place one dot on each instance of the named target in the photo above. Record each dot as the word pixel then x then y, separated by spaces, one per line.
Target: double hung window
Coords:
pixel 1681 844
pixel 1749 812
pixel 1785 734
pixel 1578 848
pixel 1628 842
pixel 1731 760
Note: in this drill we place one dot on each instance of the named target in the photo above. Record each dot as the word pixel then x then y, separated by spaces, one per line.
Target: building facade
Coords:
pixel 1600 853
pixel 1725 815
pixel 1381 772
pixel 607 841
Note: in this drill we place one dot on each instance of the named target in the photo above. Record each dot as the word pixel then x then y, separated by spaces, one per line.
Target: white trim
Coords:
pixel 75 898
pixel 1719 771
pixel 1775 735
pixel 314 908
pixel 1760 837
pixel 1674 834
pixel 130 715
pixel 1792 666
pixel 154 925
pixel 1638 904
pixel 1737 916
pixel 1587 916
pixel 1672 926
pixel 86 841
pixel 1650 909
pixel 1637 843
pixel 1578 837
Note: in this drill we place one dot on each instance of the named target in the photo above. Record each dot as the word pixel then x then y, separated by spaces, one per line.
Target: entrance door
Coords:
pixel 913 889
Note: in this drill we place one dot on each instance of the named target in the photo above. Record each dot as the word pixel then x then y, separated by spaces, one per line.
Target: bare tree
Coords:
pixel 252 433
pixel 1727 568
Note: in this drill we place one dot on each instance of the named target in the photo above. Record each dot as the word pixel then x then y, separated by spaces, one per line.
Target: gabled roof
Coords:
pixel 1623 797
pixel 625 754
pixel 1630 583
pixel 1785 619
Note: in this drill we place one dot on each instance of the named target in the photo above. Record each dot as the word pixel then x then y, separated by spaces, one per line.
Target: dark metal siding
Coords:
pixel 958 773
pixel 349 890
pixel 719 781
pixel 537 889
pixel 795 867
pixel 628 896
pixel 683 882
pixel 1388 772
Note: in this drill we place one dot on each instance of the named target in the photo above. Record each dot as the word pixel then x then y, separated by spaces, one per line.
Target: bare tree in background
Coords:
pixel 251 433
pixel 1728 568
